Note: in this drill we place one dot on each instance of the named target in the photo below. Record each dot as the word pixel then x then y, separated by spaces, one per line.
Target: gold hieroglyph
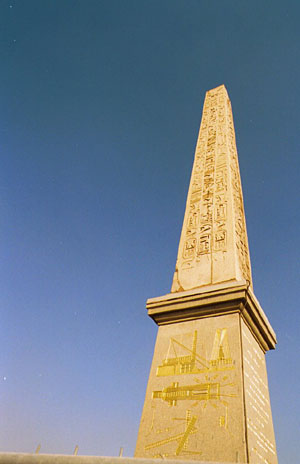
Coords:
pixel 182 439
pixel 213 246
pixel 188 361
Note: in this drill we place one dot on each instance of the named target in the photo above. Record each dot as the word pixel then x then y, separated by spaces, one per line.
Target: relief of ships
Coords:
pixel 193 363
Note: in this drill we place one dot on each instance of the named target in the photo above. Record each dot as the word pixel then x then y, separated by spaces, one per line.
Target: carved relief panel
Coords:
pixel 194 396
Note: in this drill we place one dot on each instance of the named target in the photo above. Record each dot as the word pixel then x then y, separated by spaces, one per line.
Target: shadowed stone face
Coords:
pixel 207 397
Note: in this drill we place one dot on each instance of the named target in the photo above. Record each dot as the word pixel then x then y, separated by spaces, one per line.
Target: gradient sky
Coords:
pixel 100 106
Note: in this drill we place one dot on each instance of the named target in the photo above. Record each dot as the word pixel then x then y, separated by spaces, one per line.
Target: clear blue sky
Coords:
pixel 100 105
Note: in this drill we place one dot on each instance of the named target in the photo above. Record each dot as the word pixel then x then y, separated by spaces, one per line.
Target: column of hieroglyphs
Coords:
pixel 241 239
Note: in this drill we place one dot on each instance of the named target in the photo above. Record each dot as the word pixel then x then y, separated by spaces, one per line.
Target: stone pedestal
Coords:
pixel 207 397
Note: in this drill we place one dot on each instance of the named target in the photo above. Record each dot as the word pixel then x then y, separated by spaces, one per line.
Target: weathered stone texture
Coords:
pixel 213 246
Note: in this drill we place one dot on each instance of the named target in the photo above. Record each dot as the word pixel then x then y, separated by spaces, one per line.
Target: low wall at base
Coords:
pixel 25 458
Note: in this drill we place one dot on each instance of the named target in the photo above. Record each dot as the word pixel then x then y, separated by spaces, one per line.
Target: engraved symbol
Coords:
pixel 192 222
pixel 189 248
pixel 206 213
pixel 204 244
pixel 196 392
pixel 220 240
pixel 220 211
pixel 152 422
pixel 220 354
pixel 223 420
pixel 183 363
pixel 181 438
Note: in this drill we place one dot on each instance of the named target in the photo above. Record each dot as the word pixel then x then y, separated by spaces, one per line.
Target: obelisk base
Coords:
pixel 207 397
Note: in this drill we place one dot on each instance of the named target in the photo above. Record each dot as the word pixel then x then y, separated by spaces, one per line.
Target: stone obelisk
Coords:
pixel 207 397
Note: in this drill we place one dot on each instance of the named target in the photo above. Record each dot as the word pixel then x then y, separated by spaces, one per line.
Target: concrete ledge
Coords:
pixel 25 458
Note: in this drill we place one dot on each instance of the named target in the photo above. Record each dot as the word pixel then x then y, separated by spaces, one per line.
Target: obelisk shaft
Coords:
pixel 213 246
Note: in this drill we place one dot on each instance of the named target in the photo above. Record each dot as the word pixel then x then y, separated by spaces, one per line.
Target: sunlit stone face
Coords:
pixel 193 407
pixel 213 246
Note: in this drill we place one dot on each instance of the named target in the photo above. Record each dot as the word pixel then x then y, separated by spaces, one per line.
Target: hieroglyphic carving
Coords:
pixel 208 181
pixel 240 223
pixel 214 232
pixel 220 355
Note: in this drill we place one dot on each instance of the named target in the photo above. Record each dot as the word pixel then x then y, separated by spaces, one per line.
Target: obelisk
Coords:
pixel 207 397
